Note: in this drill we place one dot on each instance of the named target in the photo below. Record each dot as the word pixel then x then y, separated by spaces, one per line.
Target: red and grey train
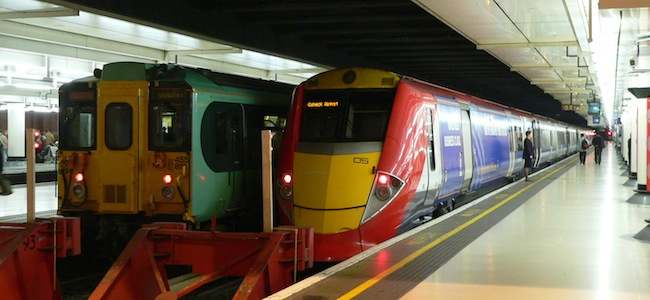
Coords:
pixel 368 154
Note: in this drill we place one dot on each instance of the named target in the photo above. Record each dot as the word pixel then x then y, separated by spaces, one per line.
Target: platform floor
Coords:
pixel 572 238
pixel 15 205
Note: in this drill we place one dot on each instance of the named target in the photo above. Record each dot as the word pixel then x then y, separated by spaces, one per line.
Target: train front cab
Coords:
pixel 331 153
pixel 145 142
pixel 122 174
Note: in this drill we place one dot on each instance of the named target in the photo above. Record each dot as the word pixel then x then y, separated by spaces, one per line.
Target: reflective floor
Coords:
pixel 16 203
pixel 573 240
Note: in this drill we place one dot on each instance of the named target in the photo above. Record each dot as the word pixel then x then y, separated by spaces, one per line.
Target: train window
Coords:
pixel 258 118
pixel 170 126
pixel 520 139
pixel 319 125
pixel 367 120
pixel 275 122
pixel 429 124
pixel 118 126
pixel 77 125
pixel 341 116
pixel 222 136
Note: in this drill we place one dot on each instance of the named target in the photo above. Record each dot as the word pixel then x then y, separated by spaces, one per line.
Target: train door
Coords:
pixel 567 144
pixel 449 121
pixel 468 163
pixel 432 168
pixel 512 138
pixel 537 138
pixel 118 117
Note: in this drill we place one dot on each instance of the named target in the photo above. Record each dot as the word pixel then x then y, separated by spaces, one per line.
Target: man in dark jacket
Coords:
pixel 598 143
pixel 584 145
pixel 529 153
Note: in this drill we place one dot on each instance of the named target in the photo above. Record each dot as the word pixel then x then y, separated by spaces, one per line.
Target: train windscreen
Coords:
pixel 77 120
pixel 170 120
pixel 345 116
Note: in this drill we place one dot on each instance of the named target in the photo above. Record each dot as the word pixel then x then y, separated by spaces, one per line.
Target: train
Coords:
pixel 162 142
pixel 368 154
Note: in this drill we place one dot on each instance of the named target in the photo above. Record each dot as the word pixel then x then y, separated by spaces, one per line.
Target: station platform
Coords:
pixel 14 206
pixel 567 234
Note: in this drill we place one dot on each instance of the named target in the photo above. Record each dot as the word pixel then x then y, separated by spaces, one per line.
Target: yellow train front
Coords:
pixel 142 143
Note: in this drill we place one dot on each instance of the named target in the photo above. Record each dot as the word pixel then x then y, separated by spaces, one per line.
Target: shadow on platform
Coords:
pixel 644 234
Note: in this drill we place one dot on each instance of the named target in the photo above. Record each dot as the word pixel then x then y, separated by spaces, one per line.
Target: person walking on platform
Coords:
pixel 584 145
pixel 5 185
pixel 529 153
pixel 599 144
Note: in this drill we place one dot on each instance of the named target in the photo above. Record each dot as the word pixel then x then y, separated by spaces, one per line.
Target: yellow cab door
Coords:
pixel 120 108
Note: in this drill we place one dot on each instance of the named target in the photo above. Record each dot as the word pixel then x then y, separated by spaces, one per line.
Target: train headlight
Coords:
pixel 167 179
pixel 79 190
pixel 385 188
pixel 167 192
pixel 286 186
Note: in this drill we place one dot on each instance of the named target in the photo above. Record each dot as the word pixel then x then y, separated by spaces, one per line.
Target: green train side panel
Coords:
pixel 213 194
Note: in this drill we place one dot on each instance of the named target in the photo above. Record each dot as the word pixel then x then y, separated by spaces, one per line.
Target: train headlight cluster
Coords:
pixel 286 186
pixel 167 192
pixel 384 190
pixel 79 190
pixel 78 186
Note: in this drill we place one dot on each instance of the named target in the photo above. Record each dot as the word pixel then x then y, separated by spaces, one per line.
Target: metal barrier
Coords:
pixel 28 254
pixel 267 262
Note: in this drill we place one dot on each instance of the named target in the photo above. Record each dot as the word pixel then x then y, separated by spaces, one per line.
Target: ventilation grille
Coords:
pixel 114 193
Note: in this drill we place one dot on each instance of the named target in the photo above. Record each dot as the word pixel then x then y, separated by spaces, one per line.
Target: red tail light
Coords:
pixel 382 179
pixel 384 190
pixel 79 177
pixel 286 186
pixel 286 179
pixel 167 179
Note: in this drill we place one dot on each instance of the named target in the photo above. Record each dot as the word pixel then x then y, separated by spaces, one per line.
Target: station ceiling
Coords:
pixel 396 35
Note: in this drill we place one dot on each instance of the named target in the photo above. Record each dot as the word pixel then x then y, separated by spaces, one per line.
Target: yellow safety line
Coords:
pixel 372 281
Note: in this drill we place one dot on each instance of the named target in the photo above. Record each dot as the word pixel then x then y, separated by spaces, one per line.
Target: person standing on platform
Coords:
pixel 599 144
pixel 5 185
pixel 584 145
pixel 529 153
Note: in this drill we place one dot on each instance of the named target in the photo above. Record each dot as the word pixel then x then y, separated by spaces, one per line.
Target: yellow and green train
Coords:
pixel 144 142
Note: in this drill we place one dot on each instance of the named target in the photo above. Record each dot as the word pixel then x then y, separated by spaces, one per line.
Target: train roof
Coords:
pixel 345 78
pixel 168 72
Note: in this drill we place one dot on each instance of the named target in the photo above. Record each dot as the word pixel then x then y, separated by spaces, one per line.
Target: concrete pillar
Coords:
pixel 642 143
pixel 16 129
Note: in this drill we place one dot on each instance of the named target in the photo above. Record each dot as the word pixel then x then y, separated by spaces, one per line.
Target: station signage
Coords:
pixel 322 104
pixel 569 107
pixel 593 108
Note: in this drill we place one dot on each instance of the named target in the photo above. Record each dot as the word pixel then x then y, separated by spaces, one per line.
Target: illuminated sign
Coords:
pixel 593 108
pixel 81 95
pixel 596 119
pixel 321 104
pixel 569 107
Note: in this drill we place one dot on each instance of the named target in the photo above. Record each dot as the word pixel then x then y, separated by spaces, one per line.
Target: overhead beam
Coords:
pixel 299 71
pixel 47 41
pixel 527 45
pixel 519 68
pixel 170 55
pixel 39 13
pixel 551 81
